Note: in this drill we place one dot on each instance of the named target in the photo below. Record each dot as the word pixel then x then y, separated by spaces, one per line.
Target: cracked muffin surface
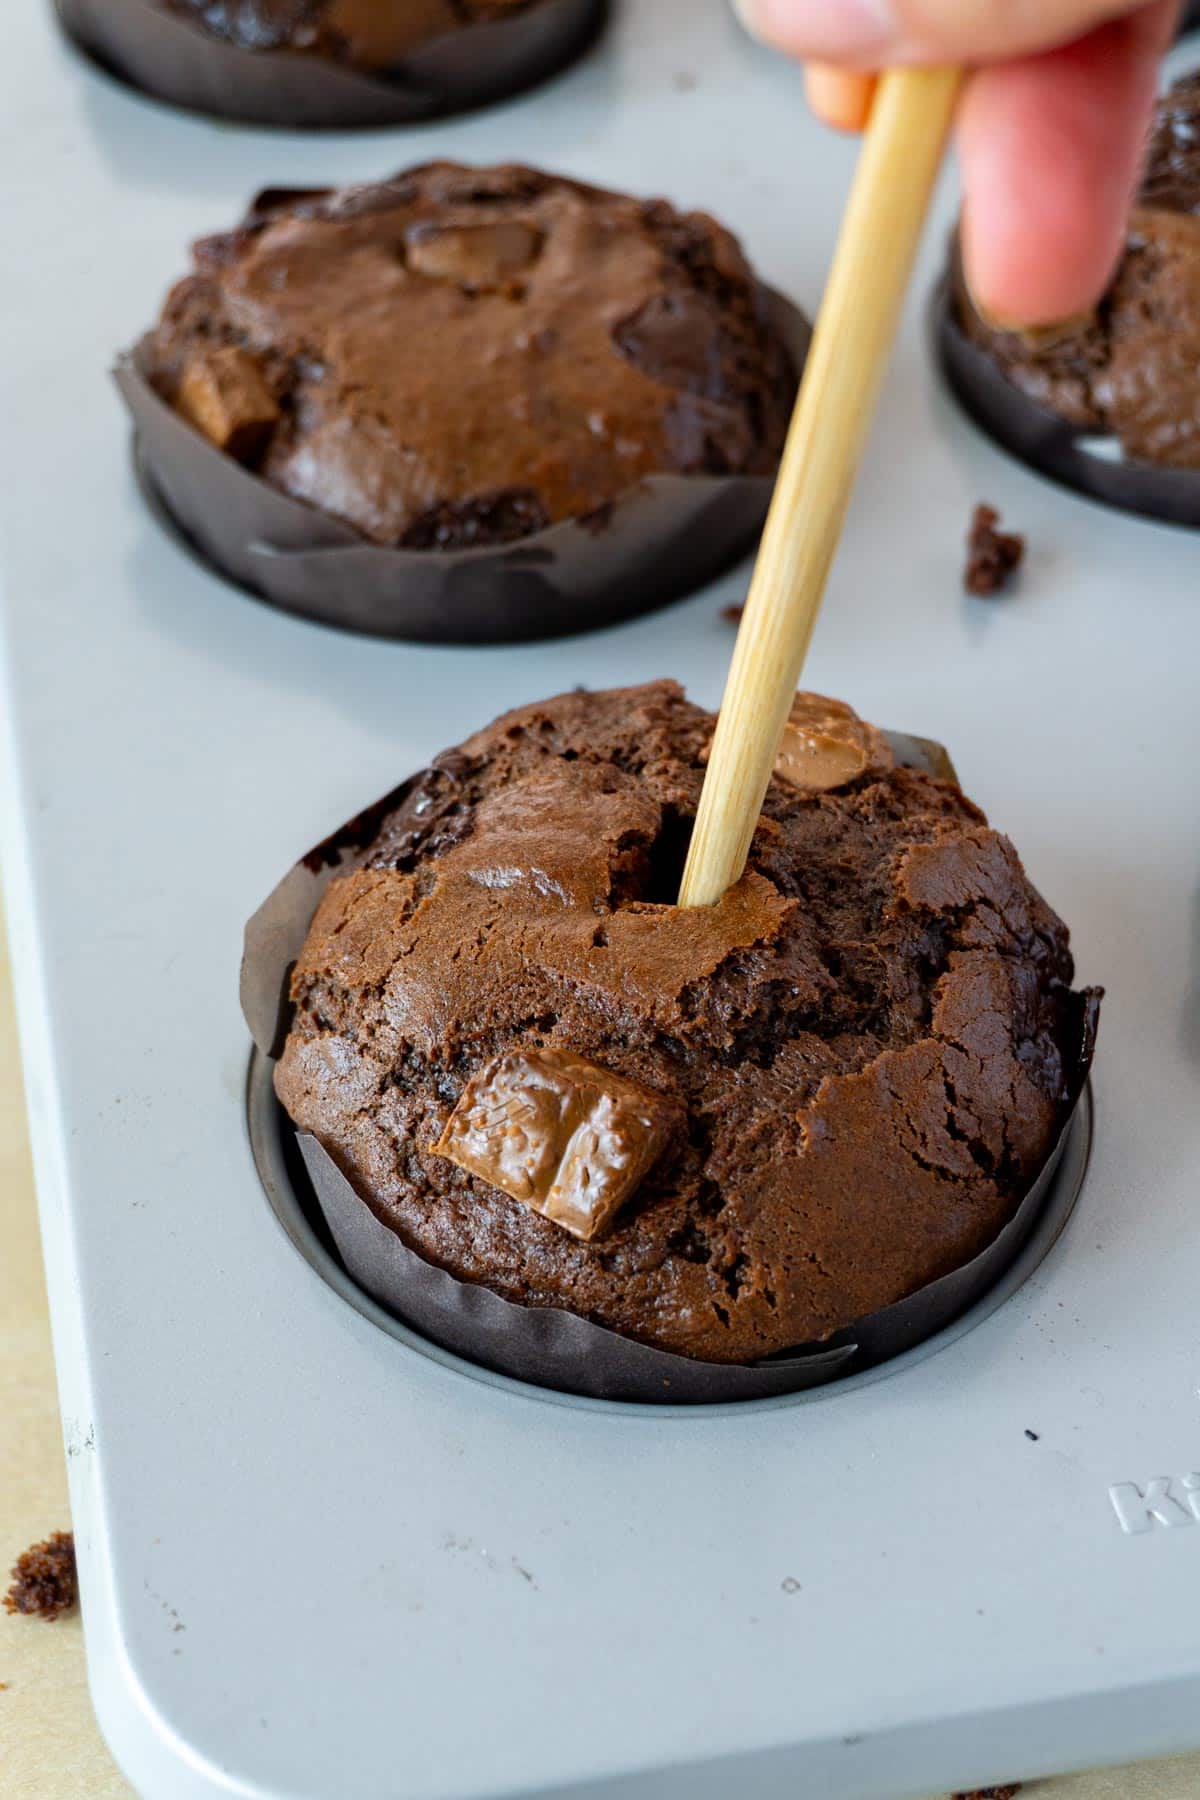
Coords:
pixel 1132 367
pixel 464 356
pixel 857 1062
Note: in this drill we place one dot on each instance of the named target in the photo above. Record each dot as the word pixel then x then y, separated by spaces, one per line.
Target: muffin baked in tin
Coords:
pixel 722 1133
pixel 331 63
pixel 498 365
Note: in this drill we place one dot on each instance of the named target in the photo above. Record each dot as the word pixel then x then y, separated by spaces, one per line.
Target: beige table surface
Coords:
pixel 50 1746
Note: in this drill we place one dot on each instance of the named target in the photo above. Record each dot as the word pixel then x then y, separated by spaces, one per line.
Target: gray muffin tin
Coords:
pixel 320 1564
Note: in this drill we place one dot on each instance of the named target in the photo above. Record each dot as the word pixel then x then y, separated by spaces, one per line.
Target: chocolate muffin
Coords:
pixel 461 357
pixel 724 1132
pixel 370 34
pixel 332 63
pixel 1131 370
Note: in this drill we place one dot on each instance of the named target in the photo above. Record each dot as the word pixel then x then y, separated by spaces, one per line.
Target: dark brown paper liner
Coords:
pixel 552 1348
pixel 547 1346
pixel 661 540
pixel 1092 466
pixel 541 1345
pixel 167 56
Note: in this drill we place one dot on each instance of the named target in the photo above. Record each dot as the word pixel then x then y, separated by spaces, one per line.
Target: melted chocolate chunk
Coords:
pixel 826 745
pixel 223 394
pixel 479 258
pixel 559 1133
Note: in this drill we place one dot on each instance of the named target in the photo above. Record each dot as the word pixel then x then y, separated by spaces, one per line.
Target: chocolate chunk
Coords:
pixel 826 745
pixel 566 1137
pixel 44 1578
pixel 222 393
pixel 993 556
pixel 671 338
pixel 477 257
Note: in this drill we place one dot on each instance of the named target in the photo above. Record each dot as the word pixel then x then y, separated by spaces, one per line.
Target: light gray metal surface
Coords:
pixel 321 1568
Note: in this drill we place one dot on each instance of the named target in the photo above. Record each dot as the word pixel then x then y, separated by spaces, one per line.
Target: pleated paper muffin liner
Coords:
pixel 662 539
pixel 169 57
pixel 547 1346
pixel 1095 466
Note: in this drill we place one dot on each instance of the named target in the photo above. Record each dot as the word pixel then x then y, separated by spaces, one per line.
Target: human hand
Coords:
pixel 1051 127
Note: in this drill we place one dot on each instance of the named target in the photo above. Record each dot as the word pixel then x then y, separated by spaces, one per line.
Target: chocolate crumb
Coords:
pixel 991 1793
pixel 733 615
pixel 992 556
pixel 44 1578
pixel 1033 1436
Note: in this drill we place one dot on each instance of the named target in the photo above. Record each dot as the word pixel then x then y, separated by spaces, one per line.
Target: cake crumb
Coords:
pixel 992 1793
pixel 44 1578
pixel 993 556
pixel 733 615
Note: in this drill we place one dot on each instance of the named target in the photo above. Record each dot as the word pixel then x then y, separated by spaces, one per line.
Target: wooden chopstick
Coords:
pixel 897 168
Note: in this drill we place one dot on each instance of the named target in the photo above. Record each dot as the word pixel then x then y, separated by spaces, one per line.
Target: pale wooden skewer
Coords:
pixel 897 167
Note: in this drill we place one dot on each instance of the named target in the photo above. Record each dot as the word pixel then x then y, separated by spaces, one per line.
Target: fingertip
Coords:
pixel 840 98
pixel 1038 244
pixel 1051 148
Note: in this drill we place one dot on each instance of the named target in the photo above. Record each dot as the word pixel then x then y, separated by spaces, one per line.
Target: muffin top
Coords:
pixel 463 356
pixel 1131 368
pixel 371 34
pixel 726 1131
